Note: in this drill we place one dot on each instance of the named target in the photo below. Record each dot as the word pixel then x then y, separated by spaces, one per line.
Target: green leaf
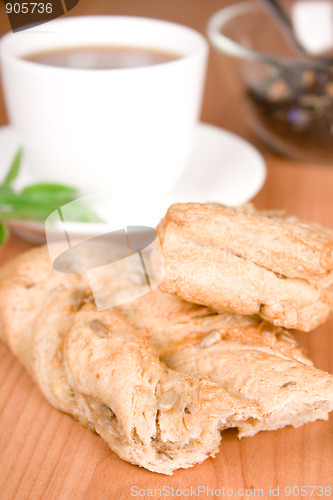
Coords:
pixel 17 206
pixel 46 190
pixel 20 206
pixel 37 201
pixel 5 190
pixel 14 169
pixel 4 233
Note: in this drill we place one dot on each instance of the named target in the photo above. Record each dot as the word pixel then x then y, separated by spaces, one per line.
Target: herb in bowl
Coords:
pixel 37 201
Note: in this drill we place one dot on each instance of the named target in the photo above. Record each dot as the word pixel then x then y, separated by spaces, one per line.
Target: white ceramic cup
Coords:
pixel 126 130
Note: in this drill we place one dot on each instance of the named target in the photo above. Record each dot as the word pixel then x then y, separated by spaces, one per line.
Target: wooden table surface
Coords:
pixel 45 454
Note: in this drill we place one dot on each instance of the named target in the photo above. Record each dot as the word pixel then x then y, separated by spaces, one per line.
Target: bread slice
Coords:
pixel 247 262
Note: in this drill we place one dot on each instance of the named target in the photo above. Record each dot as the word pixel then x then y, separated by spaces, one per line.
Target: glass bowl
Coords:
pixel 286 98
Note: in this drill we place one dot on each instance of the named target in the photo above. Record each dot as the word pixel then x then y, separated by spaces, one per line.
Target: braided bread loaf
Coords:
pixel 157 377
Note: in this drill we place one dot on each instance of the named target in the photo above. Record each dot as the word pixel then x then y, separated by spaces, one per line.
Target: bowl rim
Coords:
pixel 228 46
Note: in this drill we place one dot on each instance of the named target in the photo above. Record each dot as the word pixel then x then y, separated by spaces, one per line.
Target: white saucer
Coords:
pixel 222 168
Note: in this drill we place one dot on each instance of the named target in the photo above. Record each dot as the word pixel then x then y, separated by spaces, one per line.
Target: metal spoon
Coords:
pixel 281 18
